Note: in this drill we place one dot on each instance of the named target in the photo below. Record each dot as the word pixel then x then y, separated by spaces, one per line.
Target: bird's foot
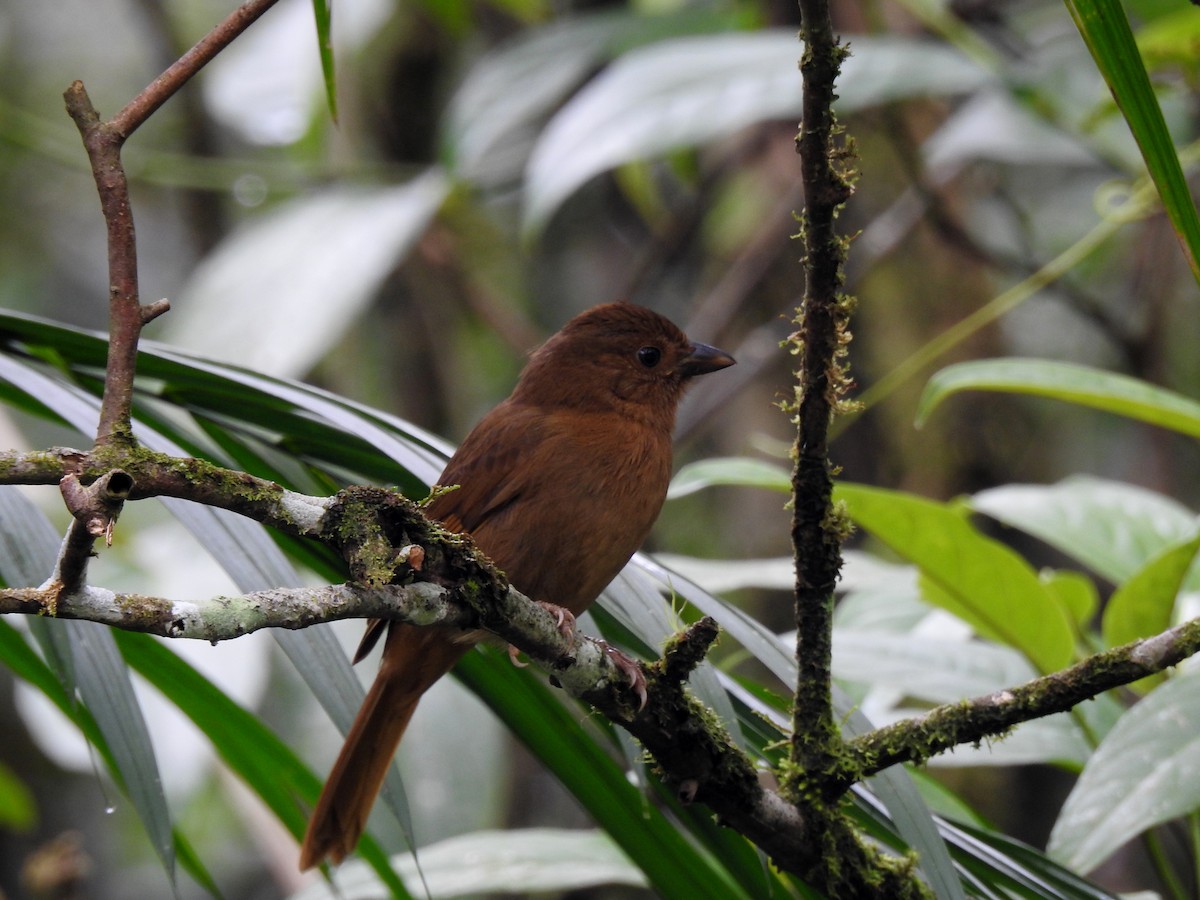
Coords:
pixel 631 669
pixel 513 653
pixel 563 617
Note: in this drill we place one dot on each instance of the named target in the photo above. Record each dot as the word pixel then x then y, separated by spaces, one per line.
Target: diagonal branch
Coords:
pixel 992 715
pixel 442 581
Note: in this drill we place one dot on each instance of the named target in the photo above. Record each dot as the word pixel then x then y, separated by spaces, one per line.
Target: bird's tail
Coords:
pixel 413 659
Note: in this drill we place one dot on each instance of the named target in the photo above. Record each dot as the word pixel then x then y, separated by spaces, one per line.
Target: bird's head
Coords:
pixel 617 357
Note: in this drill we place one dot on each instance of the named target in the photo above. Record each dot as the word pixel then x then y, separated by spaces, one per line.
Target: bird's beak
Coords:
pixel 704 359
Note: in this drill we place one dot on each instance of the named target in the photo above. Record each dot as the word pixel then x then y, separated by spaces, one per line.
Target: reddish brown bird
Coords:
pixel 558 485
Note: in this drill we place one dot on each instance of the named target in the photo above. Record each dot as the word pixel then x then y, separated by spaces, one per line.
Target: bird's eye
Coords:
pixel 649 356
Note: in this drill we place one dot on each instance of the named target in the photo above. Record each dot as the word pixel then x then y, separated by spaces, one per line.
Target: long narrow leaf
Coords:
pixel 674 867
pixel 108 693
pixel 1106 31
pixel 323 13
pixel 248 747
pixel 1069 382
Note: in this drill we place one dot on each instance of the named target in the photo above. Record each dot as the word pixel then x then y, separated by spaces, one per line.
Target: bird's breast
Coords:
pixel 600 485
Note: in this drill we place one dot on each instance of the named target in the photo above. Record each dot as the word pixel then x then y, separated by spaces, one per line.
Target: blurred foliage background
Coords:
pixel 497 167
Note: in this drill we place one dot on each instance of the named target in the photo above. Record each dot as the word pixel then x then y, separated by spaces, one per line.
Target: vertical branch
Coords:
pixel 848 866
pixel 819 342
pixel 103 142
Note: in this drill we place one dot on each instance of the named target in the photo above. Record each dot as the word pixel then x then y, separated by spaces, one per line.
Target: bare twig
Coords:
pixel 162 88
pixel 103 142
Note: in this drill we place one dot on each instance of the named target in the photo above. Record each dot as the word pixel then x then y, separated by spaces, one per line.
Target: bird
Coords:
pixel 558 485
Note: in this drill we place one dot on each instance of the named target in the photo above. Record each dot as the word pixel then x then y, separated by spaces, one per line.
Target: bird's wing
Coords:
pixel 486 468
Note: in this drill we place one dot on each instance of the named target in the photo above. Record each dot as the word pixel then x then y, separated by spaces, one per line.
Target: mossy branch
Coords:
pixel 847 865
pixel 408 568
pixel 970 721
pixel 819 343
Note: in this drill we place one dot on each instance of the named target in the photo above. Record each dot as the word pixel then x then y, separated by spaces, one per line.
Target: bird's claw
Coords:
pixel 631 669
pixel 563 618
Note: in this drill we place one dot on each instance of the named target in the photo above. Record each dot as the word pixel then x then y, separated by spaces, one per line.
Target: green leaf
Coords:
pixel 551 730
pixel 904 665
pixel 740 471
pixel 521 861
pixel 1141 775
pixel 976 578
pixel 323 14
pixel 1143 605
pixel 1113 528
pixel 104 685
pixel 686 91
pixel 495 115
pixel 247 746
pixel 1076 592
pixel 1106 32
pixel 18 810
pixel 937 670
pixel 1068 382
pixel 257 283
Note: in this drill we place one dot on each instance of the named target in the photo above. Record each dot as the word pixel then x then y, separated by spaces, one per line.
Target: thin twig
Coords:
pixel 162 88
pixel 103 142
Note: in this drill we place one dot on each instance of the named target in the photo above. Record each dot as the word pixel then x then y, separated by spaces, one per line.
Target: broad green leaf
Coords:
pixel 739 471
pixel 520 861
pixel 1106 32
pixel 976 578
pixel 1142 774
pixel 900 666
pixel 683 92
pixel 940 671
pixel 1076 592
pixel 1113 528
pixel 1069 382
pixel 1144 605
pixel 277 275
pixel 495 115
